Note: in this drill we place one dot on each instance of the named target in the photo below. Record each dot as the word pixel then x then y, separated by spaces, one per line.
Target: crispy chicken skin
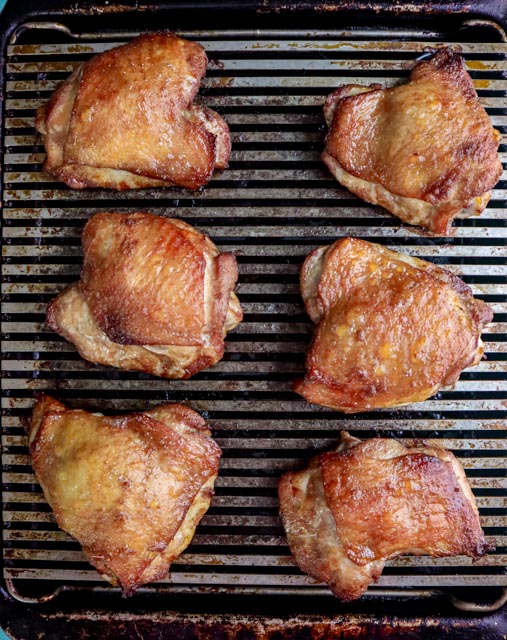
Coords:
pixel 366 502
pixel 125 119
pixel 426 150
pixel 131 489
pixel 155 295
pixel 391 329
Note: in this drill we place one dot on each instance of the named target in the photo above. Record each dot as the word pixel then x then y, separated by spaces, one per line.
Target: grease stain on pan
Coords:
pixel 223 82
pixel 81 48
pixel 476 65
pixel 372 65
pixel 35 49
pixel 93 10
pixel 20 122
pixel 268 45
pixel 373 7
pixel 27 49
pixel 216 64
pixel 366 46
pixel 322 45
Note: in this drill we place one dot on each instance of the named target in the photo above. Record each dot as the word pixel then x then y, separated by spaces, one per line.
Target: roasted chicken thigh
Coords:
pixel 131 489
pixel 391 329
pixel 425 150
pixel 155 295
pixel 354 508
pixel 125 119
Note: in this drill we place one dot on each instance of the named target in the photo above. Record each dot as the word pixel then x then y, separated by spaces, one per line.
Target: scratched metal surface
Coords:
pixel 272 206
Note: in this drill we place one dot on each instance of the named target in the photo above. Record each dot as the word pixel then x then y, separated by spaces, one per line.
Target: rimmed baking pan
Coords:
pixel 272 206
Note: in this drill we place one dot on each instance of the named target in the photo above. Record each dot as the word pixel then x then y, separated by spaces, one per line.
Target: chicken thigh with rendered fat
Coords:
pixel 424 150
pixel 391 329
pixel 155 295
pixel 131 489
pixel 125 119
pixel 366 502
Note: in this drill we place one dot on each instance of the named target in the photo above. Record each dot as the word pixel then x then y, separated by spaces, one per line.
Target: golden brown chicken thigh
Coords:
pixel 354 508
pixel 426 150
pixel 131 489
pixel 155 295
pixel 392 329
pixel 125 119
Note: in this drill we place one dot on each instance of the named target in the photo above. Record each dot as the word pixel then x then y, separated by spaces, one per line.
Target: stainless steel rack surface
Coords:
pixel 272 206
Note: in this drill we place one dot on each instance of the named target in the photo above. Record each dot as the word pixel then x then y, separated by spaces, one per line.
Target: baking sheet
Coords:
pixel 274 204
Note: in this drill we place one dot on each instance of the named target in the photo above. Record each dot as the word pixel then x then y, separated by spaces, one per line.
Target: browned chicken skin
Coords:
pixel 125 119
pixel 131 489
pixel 353 509
pixel 425 150
pixel 392 329
pixel 155 295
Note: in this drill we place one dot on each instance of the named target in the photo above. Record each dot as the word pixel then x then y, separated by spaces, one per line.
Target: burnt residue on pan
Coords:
pixel 242 627
pixel 272 206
